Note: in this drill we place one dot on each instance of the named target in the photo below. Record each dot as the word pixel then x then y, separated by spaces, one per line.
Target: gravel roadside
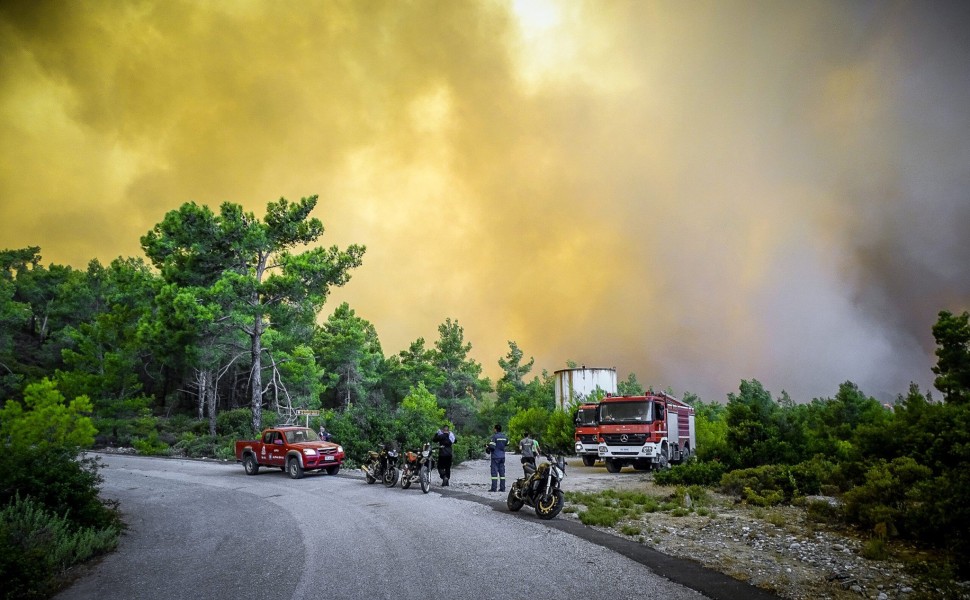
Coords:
pixel 778 549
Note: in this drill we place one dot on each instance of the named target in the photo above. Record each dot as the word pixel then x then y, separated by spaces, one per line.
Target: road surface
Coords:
pixel 206 530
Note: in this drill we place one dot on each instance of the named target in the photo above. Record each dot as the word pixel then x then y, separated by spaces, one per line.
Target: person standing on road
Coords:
pixel 496 447
pixel 445 439
pixel 529 449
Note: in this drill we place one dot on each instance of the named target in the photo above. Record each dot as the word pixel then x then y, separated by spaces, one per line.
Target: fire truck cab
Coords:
pixel 586 435
pixel 650 431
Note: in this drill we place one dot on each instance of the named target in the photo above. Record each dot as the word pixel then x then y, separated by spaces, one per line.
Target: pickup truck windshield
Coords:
pixel 626 412
pixel 296 436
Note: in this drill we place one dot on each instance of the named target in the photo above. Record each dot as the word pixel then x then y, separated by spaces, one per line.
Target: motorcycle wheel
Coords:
pixel 425 480
pixel 405 479
pixel 514 502
pixel 390 477
pixel 549 506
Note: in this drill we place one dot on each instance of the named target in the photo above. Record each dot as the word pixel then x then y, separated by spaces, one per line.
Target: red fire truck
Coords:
pixel 586 435
pixel 650 431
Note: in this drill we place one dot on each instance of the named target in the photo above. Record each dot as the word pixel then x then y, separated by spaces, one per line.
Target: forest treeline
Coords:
pixel 223 328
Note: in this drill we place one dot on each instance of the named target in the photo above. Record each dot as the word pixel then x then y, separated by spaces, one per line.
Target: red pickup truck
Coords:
pixel 292 449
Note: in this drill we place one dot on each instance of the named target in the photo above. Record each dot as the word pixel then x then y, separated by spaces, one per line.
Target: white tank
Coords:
pixel 577 385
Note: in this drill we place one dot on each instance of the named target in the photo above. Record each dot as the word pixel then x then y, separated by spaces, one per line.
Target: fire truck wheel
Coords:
pixel 662 461
pixel 613 466
pixel 588 460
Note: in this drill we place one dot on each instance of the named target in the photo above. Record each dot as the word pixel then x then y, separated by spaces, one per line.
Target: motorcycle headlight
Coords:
pixel 557 472
pixel 392 453
pixel 426 453
pixel 309 451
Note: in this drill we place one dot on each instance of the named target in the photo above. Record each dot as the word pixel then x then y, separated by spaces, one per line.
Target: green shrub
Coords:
pixel 822 511
pixel 226 450
pixel 37 546
pixel 697 494
pixel 630 530
pixel 204 446
pixel 810 476
pixel 603 516
pixel 890 493
pixel 237 423
pixel 692 472
pixel 151 445
pixel 875 549
pixel 763 486
pixel 764 498
pixel 468 447
pixel 611 506
pixel 60 481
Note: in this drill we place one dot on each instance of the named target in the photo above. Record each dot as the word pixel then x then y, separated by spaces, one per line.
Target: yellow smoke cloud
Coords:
pixel 698 193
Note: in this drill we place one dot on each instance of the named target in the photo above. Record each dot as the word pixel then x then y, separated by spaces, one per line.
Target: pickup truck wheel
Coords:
pixel 250 464
pixel 333 470
pixel 294 468
pixel 589 460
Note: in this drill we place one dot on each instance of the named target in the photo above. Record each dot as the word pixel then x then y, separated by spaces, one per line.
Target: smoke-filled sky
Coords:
pixel 696 192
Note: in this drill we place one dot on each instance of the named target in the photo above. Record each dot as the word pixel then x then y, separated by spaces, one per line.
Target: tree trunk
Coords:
pixel 201 379
pixel 256 349
pixel 211 399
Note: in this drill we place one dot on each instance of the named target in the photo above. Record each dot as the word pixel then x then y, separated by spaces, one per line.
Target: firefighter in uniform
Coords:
pixel 496 448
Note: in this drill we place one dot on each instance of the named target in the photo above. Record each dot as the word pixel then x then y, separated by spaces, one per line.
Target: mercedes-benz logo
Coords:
pixel 623 438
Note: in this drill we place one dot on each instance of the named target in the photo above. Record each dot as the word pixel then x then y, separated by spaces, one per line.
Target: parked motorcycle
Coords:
pixel 417 467
pixel 540 488
pixel 382 466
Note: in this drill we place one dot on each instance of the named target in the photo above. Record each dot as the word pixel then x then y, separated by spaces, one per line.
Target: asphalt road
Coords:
pixel 206 530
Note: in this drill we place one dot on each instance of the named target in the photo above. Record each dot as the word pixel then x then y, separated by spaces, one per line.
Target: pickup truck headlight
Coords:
pixel 309 452
pixel 340 449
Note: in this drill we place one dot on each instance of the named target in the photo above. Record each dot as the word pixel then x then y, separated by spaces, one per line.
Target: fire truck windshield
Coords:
pixel 586 416
pixel 626 412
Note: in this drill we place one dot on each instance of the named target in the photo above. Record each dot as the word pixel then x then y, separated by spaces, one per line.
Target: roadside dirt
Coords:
pixel 778 549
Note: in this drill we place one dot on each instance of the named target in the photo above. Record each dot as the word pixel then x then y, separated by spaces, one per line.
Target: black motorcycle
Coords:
pixel 417 467
pixel 540 488
pixel 382 466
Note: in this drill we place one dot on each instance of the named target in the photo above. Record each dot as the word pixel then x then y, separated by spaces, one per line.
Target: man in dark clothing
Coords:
pixel 445 439
pixel 496 447
pixel 528 448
